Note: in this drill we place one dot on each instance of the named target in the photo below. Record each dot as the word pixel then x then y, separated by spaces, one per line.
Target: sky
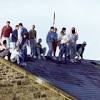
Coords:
pixel 82 14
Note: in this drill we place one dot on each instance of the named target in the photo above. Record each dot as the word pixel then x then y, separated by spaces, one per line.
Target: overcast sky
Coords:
pixel 83 14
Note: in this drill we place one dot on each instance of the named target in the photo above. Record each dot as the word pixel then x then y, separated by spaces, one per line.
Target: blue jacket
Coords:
pixel 24 31
pixel 14 36
pixel 51 37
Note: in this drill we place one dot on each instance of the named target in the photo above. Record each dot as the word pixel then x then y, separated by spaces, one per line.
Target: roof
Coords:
pixel 82 79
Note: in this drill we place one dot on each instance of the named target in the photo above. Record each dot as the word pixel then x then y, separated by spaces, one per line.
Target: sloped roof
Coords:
pixel 82 80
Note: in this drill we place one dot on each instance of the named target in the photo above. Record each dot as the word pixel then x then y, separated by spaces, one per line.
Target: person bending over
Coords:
pixel 80 50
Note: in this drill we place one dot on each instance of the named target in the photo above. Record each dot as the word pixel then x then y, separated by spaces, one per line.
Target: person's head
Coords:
pixel 63 32
pixel 52 29
pixel 17 27
pixel 73 30
pixel 20 25
pixel 64 29
pixel 84 44
pixel 8 23
pixel 5 43
pixel 33 27
pixel 55 29
pixel 39 40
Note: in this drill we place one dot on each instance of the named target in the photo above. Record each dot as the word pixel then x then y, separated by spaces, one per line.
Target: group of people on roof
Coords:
pixel 18 44
pixel 67 43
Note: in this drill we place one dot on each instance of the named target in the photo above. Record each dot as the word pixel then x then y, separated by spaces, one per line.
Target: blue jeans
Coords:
pixel 72 47
pixel 33 46
pixel 49 54
pixel 63 51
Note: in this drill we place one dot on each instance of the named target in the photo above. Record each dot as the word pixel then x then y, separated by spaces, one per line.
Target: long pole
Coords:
pixel 54 19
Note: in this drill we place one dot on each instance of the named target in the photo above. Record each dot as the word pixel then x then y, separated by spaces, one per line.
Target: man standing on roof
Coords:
pixel 22 34
pixel 50 40
pixel 72 38
pixel 32 39
pixel 5 33
pixel 63 41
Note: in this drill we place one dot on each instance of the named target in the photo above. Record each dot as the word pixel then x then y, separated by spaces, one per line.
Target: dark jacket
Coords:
pixel 24 32
pixel 32 34
pixel 14 36
pixel 6 31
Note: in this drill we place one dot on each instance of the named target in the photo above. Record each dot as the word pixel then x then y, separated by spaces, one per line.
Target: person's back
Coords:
pixel 80 49
pixel 78 46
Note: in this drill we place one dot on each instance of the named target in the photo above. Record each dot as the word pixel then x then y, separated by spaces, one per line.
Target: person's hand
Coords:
pixel 24 36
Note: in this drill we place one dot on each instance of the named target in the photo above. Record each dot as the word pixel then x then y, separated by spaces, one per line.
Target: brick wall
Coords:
pixel 15 85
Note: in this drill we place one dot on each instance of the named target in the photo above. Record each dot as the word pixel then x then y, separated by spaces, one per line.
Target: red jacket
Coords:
pixel 6 31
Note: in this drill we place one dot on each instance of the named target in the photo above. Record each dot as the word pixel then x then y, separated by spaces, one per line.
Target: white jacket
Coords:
pixel 73 38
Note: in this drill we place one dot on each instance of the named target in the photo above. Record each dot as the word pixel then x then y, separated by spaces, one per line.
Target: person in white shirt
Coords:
pixel 72 38
pixel 63 44
pixel 19 36
pixel 15 55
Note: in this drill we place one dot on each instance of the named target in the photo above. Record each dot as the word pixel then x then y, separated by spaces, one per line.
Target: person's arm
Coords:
pixel 35 34
pixel 11 30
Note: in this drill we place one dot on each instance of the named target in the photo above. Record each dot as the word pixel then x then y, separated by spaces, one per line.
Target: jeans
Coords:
pixel 63 50
pixel 72 47
pixel 33 46
pixel 49 54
